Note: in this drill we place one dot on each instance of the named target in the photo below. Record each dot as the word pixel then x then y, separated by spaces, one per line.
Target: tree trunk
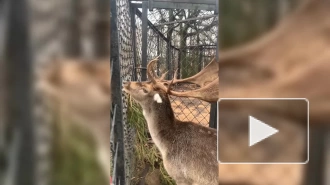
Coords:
pixel 169 49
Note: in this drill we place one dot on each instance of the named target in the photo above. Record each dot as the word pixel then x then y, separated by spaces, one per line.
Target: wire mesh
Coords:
pixel 184 40
pixel 160 43
pixel 126 68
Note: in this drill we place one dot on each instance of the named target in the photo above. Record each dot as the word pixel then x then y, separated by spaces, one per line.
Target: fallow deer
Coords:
pixel 81 90
pixel 188 149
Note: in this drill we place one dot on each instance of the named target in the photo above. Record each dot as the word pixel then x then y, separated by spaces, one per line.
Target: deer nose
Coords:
pixel 125 84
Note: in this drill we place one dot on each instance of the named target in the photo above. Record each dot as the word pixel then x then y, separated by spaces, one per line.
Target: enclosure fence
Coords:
pixel 184 38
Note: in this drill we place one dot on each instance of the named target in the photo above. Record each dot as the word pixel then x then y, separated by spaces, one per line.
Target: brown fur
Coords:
pixel 80 90
pixel 278 66
pixel 188 149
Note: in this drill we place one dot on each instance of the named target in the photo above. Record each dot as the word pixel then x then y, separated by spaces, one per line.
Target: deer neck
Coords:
pixel 161 123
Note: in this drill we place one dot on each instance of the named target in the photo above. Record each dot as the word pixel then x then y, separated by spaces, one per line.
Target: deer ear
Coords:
pixel 157 98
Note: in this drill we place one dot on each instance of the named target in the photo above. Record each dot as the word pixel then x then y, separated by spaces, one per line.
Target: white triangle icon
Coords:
pixel 259 131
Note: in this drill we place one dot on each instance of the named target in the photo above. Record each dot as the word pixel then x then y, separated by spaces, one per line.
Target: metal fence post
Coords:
pixel 179 63
pixel 3 145
pixel 144 40
pixel 19 70
pixel 158 53
pixel 168 59
pixel 116 86
pixel 217 9
pixel 213 115
pixel 133 12
pixel 200 60
pixel 214 107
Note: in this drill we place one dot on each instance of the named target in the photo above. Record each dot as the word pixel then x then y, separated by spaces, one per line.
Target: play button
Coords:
pixel 259 131
pixel 250 132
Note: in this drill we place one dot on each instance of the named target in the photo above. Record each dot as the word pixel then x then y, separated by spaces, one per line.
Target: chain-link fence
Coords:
pixel 185 40
pixel 122 70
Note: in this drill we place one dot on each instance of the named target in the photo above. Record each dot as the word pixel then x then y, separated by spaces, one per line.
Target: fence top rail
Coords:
pixel 204 2
pixel 202 47
pixel 186 20
pixel 139 14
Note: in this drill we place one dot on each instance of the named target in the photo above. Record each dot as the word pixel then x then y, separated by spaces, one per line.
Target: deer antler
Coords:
pixel 205 76
pixel 150 70
pixel 172 82
pixel 208 92
pixel 153 79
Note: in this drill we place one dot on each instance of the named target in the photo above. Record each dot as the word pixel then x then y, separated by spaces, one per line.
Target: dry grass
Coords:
pixel 74 158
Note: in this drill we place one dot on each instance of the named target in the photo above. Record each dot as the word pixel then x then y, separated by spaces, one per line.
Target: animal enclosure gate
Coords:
pixel 183 35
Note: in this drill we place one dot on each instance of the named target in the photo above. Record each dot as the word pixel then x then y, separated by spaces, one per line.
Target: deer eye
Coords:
pixel 144 90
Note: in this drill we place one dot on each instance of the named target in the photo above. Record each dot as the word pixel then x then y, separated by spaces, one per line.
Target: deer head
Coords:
pixel 85 86
pixel 141 89
pixel 144 93
pixel 80 92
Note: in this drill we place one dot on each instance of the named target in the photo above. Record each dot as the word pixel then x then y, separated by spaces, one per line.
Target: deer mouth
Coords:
pixel 126 87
